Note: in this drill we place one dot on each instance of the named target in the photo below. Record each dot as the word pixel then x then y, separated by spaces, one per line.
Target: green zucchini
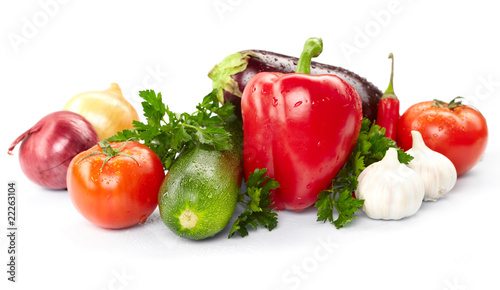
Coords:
pixel 198 196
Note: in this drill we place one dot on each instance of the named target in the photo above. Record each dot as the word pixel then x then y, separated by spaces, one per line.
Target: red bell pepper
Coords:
pixel 301 127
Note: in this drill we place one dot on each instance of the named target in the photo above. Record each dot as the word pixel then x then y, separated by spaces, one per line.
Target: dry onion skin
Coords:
pixel 108 111
pixel 48 147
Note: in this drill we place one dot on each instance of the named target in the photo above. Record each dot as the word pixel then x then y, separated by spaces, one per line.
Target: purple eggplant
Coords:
pixel 232 74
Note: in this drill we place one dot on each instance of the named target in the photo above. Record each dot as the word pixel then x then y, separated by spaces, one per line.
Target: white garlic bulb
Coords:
pixel 391 190
pixel 435 169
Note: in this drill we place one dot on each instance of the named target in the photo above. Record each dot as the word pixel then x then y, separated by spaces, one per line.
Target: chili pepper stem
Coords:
pixel 389 93
pixel 312 48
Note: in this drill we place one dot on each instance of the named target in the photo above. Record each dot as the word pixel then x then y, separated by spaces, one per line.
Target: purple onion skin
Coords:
pixel 48 147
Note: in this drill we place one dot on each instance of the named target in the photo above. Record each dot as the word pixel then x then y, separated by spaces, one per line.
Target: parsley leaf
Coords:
pixel 167 133
pixel 258 203
pixel 370 147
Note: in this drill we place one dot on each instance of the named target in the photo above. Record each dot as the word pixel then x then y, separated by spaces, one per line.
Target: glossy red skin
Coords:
pixel 388 117
pixel 48 147
pixel 124 193
pixel 302 128
pixel 461 134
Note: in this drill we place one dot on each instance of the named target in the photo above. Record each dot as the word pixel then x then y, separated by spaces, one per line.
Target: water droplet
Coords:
pixel 297 104
pixel 143 219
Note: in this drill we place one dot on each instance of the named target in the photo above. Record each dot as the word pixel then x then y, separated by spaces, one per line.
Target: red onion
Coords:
pixel 48 147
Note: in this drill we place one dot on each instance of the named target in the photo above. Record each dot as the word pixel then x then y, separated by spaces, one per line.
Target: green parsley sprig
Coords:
pixel 167 133
pixel 259 209
pixel 370 147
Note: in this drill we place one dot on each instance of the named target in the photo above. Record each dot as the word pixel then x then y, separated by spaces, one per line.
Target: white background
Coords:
pixel 50 51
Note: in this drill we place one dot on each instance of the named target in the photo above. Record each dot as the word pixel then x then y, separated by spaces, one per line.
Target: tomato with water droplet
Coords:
pixel 453 129
pixel 115 185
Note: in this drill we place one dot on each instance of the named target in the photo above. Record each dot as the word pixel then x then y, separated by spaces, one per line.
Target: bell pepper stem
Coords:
pixel 312 48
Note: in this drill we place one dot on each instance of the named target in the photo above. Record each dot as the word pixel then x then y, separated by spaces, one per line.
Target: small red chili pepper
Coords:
pixel 388 109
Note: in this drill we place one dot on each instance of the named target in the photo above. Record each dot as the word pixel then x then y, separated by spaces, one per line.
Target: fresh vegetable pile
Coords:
pixel 275 133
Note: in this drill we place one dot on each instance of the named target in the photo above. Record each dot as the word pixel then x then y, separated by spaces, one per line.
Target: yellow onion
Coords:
pixel 108 111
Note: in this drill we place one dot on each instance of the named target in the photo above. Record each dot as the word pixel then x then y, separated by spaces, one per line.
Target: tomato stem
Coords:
pixel 110 152
pixel 451 105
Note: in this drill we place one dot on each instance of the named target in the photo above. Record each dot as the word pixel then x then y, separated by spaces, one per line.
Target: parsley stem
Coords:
pixel 191 126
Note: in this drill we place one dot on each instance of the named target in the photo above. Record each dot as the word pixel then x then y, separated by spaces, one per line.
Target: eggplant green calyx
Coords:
pixel 221 73
pixel 110 152
pixel 389 93
pixel 312 48
pixel 455 103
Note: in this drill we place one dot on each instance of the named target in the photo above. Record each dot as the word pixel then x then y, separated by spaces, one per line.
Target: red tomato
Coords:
pixel 120 193
pixel 457 131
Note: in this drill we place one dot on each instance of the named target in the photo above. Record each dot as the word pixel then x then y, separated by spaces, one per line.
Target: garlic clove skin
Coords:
pixel 391 190
pixel 436 170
